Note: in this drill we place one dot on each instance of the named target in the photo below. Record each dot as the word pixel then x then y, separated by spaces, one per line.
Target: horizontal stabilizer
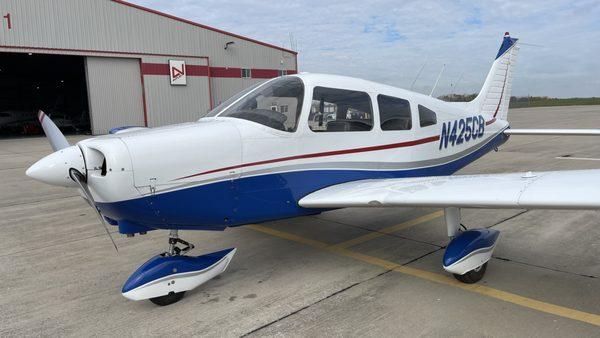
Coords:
pixel 573 189
pixel 554 132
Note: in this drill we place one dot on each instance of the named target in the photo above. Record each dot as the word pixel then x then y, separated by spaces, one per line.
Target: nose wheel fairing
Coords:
pixel 470 250
pixel 165 275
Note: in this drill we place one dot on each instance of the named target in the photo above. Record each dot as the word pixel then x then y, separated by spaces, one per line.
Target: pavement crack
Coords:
pixel 424 255
pixel 529 264
pixel 508 219
pixel 315 303
pixel 542 267
pixel 12 168
pixel 36 201
pixel 57 244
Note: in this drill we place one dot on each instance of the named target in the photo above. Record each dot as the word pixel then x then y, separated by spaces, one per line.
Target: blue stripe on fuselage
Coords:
pixel 216 206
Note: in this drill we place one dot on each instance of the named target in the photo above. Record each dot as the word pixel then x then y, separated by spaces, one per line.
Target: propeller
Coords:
pixel 51 169
pixel 81 180
pixel 56 138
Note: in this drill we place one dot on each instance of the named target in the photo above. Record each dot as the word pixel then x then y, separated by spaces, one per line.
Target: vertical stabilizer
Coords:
pixel 494 97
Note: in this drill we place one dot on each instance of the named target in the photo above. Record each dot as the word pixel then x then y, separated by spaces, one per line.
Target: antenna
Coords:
pixel 438 79
pixel 293 42
pixel 456 83
pixel 530 44
pixel 418 74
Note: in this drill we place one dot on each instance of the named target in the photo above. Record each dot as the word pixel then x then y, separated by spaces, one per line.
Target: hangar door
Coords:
pixel 115 93
pixel 53 83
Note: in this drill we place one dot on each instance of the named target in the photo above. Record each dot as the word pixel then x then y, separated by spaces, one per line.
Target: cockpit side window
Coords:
pixel 394 113
pixel 277 104
pixel 427 117
pixel 334 110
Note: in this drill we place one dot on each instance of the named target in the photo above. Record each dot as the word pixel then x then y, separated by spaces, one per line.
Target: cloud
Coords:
pixel 389 41
pixel 385 30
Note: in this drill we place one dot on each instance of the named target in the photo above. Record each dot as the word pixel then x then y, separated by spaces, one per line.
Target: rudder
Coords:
pixel 494 97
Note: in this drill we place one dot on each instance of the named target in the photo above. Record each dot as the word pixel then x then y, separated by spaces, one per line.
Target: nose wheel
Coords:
pixel 472 276
pixel 171 298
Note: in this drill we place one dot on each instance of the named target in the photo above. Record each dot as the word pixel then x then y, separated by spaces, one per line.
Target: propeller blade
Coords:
pixel 78 177
pixel 55 136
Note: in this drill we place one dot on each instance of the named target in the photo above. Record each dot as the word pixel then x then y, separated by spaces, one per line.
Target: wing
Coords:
pixel 573 189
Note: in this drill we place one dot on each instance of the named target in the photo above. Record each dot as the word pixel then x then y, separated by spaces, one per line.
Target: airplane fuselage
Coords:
pixel 229 171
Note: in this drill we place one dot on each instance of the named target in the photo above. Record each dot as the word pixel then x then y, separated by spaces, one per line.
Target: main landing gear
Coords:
pixel 469 251
pixel 165 278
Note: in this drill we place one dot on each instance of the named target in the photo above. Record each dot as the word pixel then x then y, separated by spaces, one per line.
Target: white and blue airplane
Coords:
pixel 301 145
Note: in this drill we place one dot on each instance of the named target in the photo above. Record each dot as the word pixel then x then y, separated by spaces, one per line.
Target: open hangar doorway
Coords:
pixel 54 83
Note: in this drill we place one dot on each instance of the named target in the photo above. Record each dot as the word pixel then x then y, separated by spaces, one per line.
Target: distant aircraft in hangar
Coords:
pixel 300 145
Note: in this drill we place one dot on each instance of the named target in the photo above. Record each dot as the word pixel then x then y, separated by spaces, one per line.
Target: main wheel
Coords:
pixel 169 299
pixel 472 276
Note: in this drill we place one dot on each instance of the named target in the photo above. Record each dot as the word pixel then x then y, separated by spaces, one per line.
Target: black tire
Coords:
pixel 472 276
pixel 169 299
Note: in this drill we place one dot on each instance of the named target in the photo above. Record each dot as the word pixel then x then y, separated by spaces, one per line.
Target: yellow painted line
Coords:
pixel 288 236
pixel 526 302
pixel 389 230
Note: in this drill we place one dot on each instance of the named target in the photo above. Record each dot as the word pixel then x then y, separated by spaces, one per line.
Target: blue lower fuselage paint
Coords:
pixel 216 206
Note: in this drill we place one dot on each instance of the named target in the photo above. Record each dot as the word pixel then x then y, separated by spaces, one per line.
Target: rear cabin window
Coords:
pixel 394 113
pixel 335 110
pixel 427 117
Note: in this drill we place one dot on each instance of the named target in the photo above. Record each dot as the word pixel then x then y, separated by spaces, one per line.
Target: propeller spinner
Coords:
pixel 65 167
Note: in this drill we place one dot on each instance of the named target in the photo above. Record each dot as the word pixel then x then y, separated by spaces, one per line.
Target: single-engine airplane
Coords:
pixel 300 145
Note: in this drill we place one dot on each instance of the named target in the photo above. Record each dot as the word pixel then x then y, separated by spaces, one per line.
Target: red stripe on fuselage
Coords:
pixel 327 153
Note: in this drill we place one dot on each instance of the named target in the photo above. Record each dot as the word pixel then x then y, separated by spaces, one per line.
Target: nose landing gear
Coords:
pixel 468 252
pixel 165 278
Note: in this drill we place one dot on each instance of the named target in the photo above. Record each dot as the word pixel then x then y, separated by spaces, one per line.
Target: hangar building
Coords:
pixel 111 63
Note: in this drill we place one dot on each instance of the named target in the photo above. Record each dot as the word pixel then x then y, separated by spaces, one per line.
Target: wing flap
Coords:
pixel 573 189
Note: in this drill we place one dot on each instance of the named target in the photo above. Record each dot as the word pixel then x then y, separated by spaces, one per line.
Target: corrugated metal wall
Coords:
pixel 167 104
pixel 114 92
pixel 115 29
pixel 112 26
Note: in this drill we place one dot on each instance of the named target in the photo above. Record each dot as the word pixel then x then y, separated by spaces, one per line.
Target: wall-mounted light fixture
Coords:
pixel 228 44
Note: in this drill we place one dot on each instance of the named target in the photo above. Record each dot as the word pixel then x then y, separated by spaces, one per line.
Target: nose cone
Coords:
pixel 54 168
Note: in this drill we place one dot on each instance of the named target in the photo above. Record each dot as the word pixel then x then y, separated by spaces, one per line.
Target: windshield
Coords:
pixel 216 110
pixel 277 104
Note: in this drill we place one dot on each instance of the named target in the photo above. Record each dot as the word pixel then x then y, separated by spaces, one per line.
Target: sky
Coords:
pixel 390 41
